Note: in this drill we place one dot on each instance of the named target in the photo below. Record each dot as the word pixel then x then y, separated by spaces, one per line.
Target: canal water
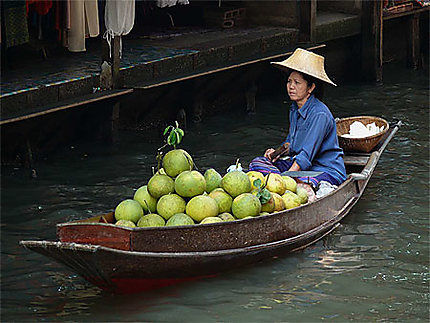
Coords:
pixel 374 267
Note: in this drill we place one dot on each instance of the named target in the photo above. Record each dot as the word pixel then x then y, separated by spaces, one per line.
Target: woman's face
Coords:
pixel 298 88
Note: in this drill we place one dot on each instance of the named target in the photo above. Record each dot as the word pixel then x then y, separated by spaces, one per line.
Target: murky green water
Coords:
pixel 375 267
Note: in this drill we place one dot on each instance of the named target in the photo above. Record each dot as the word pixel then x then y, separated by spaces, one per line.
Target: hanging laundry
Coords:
pixel 40 6
pixel 170 3
pixel 119 19
pixel 84 21
pixel 14 23
pixel 62 19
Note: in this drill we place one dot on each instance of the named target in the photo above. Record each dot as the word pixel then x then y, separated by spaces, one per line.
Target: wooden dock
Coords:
pixel 270 32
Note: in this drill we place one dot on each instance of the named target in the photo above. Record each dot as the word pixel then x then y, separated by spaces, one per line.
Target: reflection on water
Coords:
pixel 373 267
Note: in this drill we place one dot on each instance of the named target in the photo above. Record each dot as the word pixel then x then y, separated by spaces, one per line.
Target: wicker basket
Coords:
pixel 360 144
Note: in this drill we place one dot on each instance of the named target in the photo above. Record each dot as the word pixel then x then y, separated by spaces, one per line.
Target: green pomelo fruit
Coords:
pixel 223 200
pixel 170 204
pixel 264 213
pixel 200 207
pixel 179 219
pixel 151 220
pixel 236 183
pixel 190 183
pixel 226 217
pixel 213 179
pixel 253 175
pixel 176 161
pixel 302 194
pixel 148 202
pixel 211 219
pixel 128 210
pixel 160 185
pixel 125 223
pixel 246 204
pixel 279 202
pixel 275 183
pixel 291 200
pixel 290 183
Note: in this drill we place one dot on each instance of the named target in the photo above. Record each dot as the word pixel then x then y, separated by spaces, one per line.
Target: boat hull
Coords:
pixel 122 272
pixel 124 260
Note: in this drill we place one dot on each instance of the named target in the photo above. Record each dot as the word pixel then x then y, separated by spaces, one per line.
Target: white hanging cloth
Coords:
pixel 84 20
pixel 170 3
pixel 119 20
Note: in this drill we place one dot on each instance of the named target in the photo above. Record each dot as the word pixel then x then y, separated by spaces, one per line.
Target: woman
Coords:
pixel 312 143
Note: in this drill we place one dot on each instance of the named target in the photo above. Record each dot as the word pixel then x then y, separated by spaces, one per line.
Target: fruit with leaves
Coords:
pixel 177 161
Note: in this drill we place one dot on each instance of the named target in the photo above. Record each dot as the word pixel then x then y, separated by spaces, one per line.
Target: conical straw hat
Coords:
pixel 306 62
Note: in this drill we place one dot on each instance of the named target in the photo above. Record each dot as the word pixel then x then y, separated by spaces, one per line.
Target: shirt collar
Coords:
pixel 304 110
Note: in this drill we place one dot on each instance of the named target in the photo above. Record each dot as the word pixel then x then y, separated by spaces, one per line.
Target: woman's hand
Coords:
pixel 295 167
pixel 268 155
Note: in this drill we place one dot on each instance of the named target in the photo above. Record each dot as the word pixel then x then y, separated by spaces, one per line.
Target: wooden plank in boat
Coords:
pixel 357 160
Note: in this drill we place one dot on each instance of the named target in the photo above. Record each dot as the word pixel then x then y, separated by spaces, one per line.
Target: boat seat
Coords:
pixel 356 159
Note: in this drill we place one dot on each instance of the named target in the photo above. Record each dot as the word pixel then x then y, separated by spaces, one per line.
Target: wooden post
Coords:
pixel 28 159
pixel 115 122
pixel 371 43
pixel 113 57
pixel 115 52
pixel 116 83
pixel 250 95
pixel 307 16
pixel 413 30
pixel 111 80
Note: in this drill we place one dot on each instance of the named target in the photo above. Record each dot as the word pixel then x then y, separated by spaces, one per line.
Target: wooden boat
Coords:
pixel 126 260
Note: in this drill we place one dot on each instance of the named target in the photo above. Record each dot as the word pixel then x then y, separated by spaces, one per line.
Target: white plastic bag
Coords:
pixel 358 130
pixel 324 188
pixel 233 167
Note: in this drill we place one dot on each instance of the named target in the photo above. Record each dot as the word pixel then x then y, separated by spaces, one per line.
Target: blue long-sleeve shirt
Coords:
pixel 313 139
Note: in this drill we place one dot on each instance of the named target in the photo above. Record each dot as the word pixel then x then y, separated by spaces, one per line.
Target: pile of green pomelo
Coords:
pixel 179 195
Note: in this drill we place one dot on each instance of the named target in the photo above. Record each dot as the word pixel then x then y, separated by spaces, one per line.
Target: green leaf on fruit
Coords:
pixel 174 135
pixel 265 196
pixel 166 130
pixel 257 183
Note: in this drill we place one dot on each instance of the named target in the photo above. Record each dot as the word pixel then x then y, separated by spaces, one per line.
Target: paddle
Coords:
pixel 301 173
pixel 280 151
